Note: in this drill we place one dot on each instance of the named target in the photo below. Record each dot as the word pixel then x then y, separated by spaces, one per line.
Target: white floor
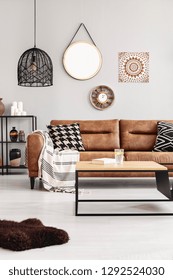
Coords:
pixel 91 238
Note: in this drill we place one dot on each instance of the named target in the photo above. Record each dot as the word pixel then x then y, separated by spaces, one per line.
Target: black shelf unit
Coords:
pixel 4 140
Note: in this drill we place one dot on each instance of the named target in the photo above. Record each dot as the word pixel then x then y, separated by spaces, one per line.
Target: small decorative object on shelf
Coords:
pixel 17 109
pixel 13 134
pixel 15 157
pixel 21 136
pixel 2 107
pixel 20 106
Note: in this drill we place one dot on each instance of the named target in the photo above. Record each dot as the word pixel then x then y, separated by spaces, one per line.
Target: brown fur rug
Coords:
pixel 29 234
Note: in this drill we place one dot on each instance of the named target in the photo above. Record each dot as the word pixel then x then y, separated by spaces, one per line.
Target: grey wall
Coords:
pixel 115 25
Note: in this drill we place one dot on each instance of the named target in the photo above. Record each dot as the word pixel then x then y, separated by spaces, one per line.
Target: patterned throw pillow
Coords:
pixel 164 140
pixel 66 137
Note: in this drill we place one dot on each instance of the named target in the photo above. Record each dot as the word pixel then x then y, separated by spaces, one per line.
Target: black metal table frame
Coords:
pixel 162 183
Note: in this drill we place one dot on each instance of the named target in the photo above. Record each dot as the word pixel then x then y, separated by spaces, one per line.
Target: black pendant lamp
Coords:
pixel 35 67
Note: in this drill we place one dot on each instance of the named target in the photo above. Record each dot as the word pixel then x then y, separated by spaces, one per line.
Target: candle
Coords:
pixel 12 110
pixel 14 104
pixel 15 111
pixel 20 106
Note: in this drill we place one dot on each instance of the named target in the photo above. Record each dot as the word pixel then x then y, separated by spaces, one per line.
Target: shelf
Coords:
pixel 6 144
pixel 15 116
pixel 13 167
pixel 9 142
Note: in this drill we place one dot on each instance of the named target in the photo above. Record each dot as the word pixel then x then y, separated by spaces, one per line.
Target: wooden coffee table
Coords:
pixel 161 175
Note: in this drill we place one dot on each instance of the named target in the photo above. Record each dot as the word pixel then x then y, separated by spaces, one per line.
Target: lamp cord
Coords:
pixel 35 23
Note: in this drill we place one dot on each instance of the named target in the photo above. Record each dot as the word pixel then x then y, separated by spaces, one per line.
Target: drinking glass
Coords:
pixel 119 156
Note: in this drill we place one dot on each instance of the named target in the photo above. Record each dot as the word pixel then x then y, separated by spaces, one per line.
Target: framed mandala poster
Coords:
pixel 133 67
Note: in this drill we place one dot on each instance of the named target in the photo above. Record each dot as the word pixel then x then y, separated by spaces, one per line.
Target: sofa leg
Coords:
pixel 32 182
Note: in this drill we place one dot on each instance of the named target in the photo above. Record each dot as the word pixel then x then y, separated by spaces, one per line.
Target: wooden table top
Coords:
pixel 127 165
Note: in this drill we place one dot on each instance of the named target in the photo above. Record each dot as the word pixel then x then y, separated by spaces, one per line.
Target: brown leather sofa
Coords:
pixel 101 137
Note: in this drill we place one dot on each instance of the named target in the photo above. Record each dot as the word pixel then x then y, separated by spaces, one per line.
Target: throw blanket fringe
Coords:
pixel 57 168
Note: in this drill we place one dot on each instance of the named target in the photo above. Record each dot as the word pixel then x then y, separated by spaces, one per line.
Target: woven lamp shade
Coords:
pixel 35 69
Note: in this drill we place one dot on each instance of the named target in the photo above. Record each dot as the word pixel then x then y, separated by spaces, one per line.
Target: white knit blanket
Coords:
pixel 57 168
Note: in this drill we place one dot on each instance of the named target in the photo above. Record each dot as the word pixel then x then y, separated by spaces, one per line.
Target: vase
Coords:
pixel 21 136
pixel 13 134
pixel 15 157
pixel 2 107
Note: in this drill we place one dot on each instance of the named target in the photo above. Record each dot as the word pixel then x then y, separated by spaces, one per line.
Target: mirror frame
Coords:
pixel 72 52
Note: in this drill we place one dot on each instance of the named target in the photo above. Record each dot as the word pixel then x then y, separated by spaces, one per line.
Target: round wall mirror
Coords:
pixel 82 60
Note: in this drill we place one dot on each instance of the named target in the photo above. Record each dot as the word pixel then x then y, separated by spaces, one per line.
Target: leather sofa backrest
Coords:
pixel 97 135
pixel 138 135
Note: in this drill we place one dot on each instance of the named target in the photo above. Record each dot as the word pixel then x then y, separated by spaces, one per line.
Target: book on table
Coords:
pixel 103 161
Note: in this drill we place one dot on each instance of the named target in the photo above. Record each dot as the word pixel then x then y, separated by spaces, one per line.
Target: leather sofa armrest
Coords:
pixel 35 144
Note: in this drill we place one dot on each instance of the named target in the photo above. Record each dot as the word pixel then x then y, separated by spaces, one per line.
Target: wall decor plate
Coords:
pixel 101 97
pixel 133 67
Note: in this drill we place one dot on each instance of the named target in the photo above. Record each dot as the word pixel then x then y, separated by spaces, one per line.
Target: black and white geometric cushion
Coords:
pixel 66 137
pixel 164 140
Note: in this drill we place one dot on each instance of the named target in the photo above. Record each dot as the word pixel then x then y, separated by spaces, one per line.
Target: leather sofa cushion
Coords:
pixel 138 135
pixel 97 135
pixel 89 155
pixel 160 157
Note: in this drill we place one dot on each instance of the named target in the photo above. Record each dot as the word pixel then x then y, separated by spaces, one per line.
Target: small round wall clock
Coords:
pixel 101 97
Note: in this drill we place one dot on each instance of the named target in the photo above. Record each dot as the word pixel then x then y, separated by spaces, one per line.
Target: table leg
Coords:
pixel 163 183
pixel 76 194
